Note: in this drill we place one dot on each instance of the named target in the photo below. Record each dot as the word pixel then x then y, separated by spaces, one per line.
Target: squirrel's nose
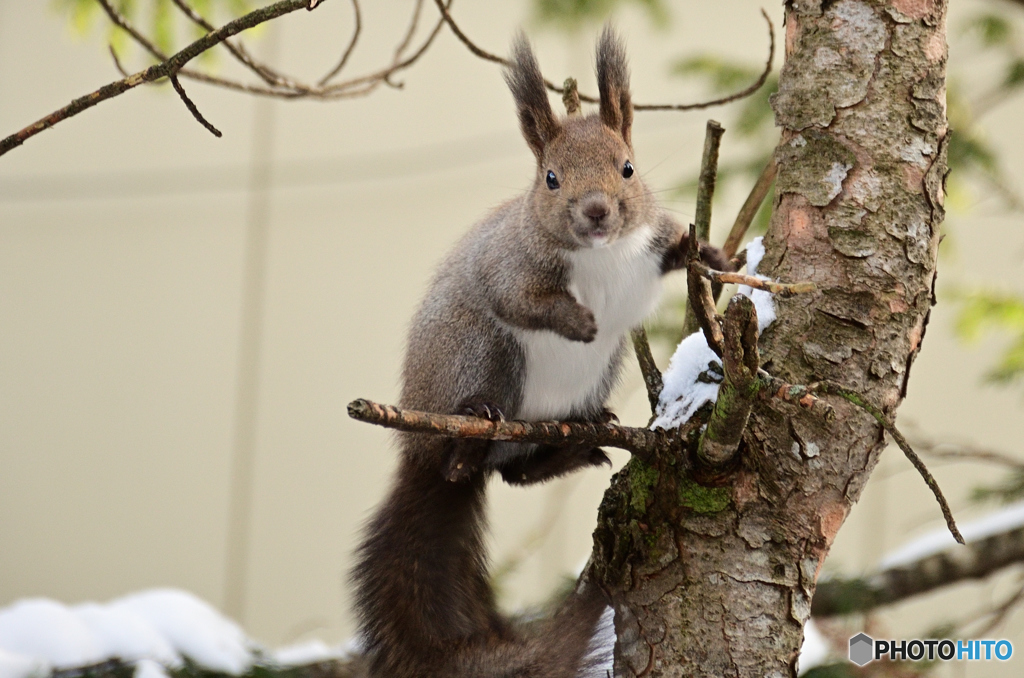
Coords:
pixel 596 210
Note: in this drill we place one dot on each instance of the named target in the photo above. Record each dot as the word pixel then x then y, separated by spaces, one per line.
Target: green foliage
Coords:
pixel 573 14
pixel 982 312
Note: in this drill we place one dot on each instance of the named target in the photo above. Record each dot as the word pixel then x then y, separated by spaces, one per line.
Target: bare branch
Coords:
pixel 979 559
pixel 237 51
pixel 652 376
pixel 192 108
pixel 490 56
pixel 801 396
pixel 701 304
pixel 173 64
pixel 119 20
pixel 353 40
pixel 641 442
pixel 721 438
pixel 862 402
pixel 749 209
pixel 723 277
pixel 117 62
pixel 701 229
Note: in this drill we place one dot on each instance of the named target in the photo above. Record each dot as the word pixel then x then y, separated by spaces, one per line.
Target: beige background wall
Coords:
pixel 122 259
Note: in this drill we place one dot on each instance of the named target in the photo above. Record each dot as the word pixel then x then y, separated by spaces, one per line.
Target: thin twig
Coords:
pixel 351 43
pixel 121 21
pixel 700 230
pixel 117 62
pixel 708 179
pixel 700 304
pixel 641 442
pixel 726 277
pixel 749 210
pixel 720 441
pixel 411 31
pixel 237 51
pixel 652 375
pixel 771 386
pixel 862 402
pixel 490 56
pixel 192 108
pixel 172 65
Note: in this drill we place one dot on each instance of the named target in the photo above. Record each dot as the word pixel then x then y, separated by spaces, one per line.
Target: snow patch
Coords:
pixel 44 629
pixel 309 652
pixel 685 390
pixel 815 650
pixel 13 665
pixel 124 634
pixel 193 627
pixel 147 668
pixel 1009 518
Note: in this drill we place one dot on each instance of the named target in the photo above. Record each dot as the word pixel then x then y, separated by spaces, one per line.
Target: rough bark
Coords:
pixel 717 581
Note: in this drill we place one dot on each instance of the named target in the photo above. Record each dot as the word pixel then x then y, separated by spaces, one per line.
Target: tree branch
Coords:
pixel 490 56
pixel 861 402
pixel 781 289
pixel 979 559
pixel 749 210
pixel 736 394
pixel 358 18
pixel 641 442
pixel 700 231
pixel 155 72
pixel 192 108
pixel 700 307
pixel 652 375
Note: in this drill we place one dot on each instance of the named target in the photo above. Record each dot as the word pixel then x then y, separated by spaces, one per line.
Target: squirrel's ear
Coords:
pixel 613 84
pixel 536 118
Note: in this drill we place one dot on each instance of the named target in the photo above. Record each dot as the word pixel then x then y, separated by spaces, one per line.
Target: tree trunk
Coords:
pixel 717 580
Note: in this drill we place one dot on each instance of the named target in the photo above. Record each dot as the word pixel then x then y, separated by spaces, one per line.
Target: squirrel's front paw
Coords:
pixel 585 327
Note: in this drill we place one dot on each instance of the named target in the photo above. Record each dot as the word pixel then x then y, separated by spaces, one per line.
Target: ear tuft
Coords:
pixel 613 84
pixel 524 78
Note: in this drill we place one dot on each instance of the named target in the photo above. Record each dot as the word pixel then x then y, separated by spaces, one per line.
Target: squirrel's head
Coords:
pixel 587 192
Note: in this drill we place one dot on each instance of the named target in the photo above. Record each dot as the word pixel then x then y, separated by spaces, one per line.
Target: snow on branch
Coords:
pixel 927 563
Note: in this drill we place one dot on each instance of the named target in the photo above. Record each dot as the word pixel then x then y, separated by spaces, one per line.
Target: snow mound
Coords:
pixel 685 389
pixel 309 652
pixel 1008 518
pixel 43 629
pixel 193 627
pixel 815 650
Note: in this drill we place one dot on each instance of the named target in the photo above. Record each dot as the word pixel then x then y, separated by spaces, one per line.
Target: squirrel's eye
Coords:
pixel 627 170
pixel 552 180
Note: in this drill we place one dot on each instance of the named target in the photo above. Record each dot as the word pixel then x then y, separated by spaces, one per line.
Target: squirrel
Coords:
pixel 527 318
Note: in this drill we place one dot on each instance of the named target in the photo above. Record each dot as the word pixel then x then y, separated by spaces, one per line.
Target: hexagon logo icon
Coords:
pixel 862 649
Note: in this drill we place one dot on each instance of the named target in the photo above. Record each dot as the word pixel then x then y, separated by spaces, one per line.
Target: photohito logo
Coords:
pixel 864 648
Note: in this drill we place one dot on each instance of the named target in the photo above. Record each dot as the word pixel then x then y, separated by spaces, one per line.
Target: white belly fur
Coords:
pixel 620 283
